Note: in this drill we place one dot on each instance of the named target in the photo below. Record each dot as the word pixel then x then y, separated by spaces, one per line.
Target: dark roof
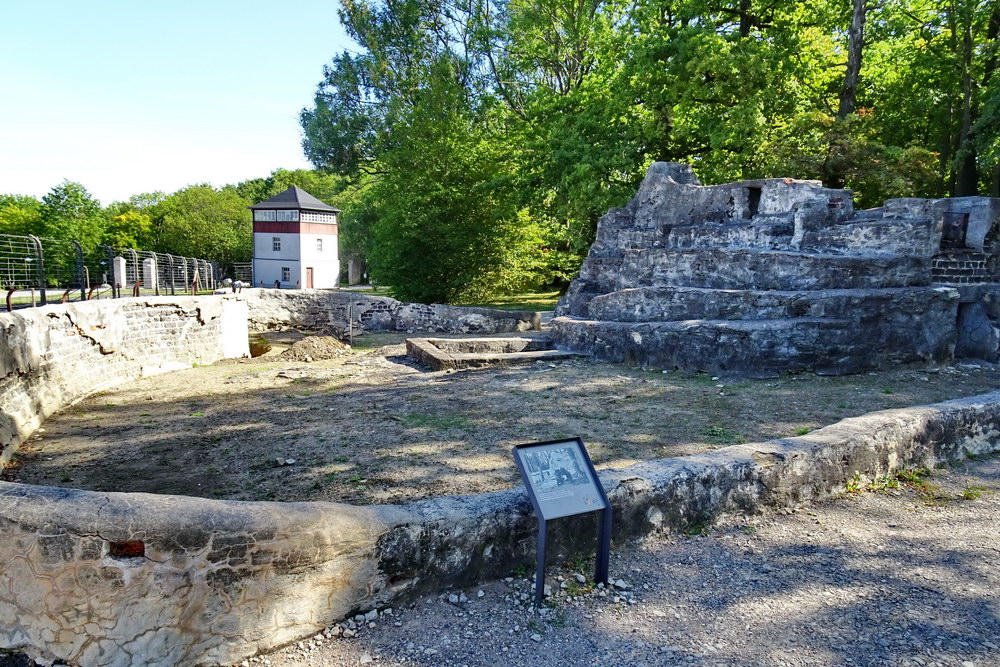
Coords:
pixel 294 197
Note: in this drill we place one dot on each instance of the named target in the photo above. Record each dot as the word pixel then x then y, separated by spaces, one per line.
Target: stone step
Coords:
pixel 743 268
pixel 664 304
pixel 450 353
pixel 752 347
pixel 913 238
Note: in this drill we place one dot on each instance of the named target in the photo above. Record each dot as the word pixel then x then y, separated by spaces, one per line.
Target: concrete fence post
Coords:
pixel 118 266
pixel 149 277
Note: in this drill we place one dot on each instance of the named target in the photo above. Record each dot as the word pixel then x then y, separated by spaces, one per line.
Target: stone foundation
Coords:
pixel 109 579
pixel 445 353
pixel 102 579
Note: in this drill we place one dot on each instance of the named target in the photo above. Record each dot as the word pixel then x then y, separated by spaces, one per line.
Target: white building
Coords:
pixel 295 241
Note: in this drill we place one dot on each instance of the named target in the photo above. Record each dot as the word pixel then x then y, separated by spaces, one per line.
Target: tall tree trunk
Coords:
pixel 745 21
pixel 856 44
pixel 992 32
pixel 967 178
pixel 835 166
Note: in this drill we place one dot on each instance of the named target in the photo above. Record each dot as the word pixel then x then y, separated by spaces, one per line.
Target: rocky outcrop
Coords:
pixel 774 275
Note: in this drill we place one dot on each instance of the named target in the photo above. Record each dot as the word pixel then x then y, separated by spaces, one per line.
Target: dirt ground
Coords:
pixel 367 426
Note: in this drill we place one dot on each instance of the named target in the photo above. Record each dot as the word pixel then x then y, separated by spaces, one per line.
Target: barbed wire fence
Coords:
pixel 37 271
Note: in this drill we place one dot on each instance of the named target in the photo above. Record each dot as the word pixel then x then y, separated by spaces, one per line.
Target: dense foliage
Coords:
pixel 493 133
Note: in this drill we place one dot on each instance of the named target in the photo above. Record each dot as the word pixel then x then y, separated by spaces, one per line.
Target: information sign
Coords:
pixel 561 481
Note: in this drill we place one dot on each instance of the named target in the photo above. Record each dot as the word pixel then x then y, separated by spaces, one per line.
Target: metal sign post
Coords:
pixel 561 481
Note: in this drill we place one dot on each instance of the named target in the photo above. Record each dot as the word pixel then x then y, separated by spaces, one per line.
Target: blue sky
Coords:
pixel 129 97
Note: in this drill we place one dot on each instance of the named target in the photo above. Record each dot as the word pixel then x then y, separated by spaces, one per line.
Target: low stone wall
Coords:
pixel 119 579
pixel 55 355
pixel 332 310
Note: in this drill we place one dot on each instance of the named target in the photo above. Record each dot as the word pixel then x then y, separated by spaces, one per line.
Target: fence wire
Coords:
pixel 35 271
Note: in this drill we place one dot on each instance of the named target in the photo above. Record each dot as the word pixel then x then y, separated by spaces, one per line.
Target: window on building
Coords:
pixel 276 243
pixel 264 216
pixel 288 216
pixel 319 245
pixel 326 218
pixel 286 274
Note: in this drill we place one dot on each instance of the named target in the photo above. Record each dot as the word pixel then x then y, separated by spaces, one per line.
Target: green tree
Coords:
pixel 448 228
pixel 130 229
pixel 201 221
pixel 70 213
pixel 20 215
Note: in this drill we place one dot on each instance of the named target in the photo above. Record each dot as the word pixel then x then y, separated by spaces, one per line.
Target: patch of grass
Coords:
pixel 442 421
pixel 805 430
pixel 721 435
pixel 197 414
pixel 884 484
pixel 916 479
pixel 854 485
pixel 972 492
pixel 573 587
pixel 522 570
pixel 913 475
pixel 65 477
pixel 888 390
pixel 529 301
pixel 700 526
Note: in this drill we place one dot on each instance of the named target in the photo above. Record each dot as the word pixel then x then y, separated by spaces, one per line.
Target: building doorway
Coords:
pixel 309 277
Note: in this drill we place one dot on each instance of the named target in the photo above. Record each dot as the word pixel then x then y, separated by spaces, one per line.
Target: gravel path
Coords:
pixel 897 576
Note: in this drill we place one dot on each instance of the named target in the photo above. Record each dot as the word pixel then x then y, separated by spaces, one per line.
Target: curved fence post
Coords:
pixel 80 270
pixel 110 253
pixel 40 266
pixel 135 267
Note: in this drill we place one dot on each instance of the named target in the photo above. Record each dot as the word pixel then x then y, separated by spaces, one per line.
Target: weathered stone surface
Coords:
pixel 826 346
pixel 773 249
pixel 743 268
pixel 336 311
pixel 220 580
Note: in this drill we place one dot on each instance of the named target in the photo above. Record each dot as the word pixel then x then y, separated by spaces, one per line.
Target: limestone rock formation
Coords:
pixel 766 276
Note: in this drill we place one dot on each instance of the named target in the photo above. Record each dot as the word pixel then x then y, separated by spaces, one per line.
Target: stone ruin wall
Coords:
pixel 107 579
pixel 778 275
pixel 331 311
pixel 52 356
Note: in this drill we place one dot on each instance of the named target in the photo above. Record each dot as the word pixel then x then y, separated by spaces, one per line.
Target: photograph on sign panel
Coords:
pixel 554 468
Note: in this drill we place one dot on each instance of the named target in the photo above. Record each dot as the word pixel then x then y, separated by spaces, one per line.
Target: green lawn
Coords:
pixel 529 301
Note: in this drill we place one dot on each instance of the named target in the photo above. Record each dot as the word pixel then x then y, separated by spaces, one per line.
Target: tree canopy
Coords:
pixel 548 113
